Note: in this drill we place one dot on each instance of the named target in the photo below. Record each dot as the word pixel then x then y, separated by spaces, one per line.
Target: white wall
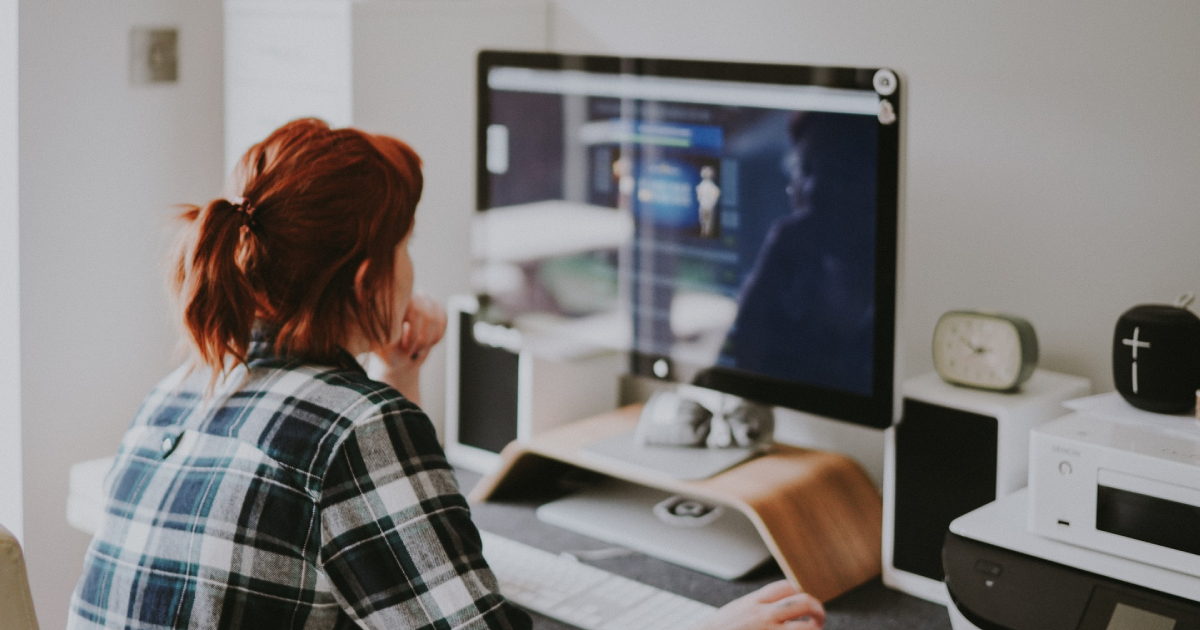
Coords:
pixel 284 60
pixel 1052 147
pixel 10 332
pixel 102 162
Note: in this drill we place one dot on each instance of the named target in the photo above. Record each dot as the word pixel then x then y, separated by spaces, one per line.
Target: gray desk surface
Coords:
pixel 869 607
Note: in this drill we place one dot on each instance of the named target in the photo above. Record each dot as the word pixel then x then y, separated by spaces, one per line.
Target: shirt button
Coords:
pixel 168 443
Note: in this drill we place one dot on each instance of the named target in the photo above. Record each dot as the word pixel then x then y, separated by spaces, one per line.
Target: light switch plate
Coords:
pixel 154 55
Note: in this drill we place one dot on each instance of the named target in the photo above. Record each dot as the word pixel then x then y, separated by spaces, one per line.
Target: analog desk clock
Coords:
pixel 984 350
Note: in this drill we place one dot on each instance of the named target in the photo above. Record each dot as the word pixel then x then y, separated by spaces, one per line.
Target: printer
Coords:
pixel 1119 480
pixel 1106 536
pixel 999 575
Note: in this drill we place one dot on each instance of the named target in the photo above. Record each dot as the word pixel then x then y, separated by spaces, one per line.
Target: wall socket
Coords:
pixel 154 55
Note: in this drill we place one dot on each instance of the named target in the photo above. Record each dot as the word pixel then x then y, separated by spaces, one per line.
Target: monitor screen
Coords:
pixel 732 225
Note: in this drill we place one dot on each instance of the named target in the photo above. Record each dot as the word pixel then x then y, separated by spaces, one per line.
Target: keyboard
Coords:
pixel 565 589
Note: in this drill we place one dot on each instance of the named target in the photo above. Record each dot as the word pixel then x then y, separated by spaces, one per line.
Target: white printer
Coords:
pixel 1106 537
pixel 1116 479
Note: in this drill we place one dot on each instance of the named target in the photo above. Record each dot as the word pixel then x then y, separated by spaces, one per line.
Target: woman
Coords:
pixel 269 483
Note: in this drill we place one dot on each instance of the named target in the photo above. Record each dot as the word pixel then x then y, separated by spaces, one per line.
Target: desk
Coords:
pixel 868 607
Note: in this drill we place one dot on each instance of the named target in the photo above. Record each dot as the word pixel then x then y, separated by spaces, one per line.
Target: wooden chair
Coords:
pixel 16 603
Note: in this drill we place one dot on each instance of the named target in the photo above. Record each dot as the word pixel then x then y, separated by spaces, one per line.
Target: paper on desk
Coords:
pixel 1112 406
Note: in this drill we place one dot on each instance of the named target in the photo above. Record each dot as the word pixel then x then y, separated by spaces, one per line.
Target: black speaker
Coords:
pixel 956 449
pixel 499 390
pixel 945 467
pixel 1156 357
pixel 487 390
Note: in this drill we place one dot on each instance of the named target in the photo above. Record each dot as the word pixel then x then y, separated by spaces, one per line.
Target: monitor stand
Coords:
pixel 678 462
pixel 702 536
pixel 816 512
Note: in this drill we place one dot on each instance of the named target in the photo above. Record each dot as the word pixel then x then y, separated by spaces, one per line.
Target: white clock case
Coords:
pixel 1026 339
pixel 1038 401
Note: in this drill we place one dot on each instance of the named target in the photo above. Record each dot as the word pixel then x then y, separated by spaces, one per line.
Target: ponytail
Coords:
pixel 213 265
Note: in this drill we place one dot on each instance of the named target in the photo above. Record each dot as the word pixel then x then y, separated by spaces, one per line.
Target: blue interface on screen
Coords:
pixel 751 209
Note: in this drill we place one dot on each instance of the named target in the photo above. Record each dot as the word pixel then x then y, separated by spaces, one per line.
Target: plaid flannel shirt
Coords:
pixel 298 496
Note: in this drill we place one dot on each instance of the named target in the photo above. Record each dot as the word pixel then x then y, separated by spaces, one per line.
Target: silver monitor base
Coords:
pixel 725 545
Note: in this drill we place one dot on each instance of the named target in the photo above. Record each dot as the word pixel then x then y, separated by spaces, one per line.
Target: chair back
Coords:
pixel 16 603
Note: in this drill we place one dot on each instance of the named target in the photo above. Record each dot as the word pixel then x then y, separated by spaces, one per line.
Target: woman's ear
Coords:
pixel 355 342
pixel 358 280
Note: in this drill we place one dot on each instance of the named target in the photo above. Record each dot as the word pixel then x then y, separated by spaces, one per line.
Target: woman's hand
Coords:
pixel 776 606
pixel 421 328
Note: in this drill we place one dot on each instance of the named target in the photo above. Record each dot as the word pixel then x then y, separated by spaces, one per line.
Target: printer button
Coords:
pixel 987 567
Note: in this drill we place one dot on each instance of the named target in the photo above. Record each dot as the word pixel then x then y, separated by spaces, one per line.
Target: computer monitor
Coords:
pixel 732 225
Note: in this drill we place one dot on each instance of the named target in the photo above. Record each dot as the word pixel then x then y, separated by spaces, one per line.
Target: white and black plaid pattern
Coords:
pixel 298 496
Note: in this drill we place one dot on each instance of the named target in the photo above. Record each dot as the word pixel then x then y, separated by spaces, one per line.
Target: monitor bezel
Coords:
pixel 875 410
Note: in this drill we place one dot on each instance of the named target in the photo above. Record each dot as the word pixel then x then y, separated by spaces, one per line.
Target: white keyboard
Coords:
pixel 582 595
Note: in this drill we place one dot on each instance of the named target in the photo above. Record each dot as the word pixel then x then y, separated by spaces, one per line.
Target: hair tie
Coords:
pixel 246 209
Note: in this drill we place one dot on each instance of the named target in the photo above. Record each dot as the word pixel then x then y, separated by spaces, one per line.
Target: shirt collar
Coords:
pixel 262 348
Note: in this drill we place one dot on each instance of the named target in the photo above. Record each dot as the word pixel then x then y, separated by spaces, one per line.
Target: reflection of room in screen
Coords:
pixel 762 257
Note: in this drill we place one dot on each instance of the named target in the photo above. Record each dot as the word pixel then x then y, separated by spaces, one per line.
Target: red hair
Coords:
pixel 316 204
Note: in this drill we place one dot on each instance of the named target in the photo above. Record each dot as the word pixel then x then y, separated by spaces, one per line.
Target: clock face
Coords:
pixel 979 350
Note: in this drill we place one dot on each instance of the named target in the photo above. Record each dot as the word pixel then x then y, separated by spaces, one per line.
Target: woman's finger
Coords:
pixel 774 591
pixel 795 607
pixel 424 322
pixel 801 624
pixel 420 332
pixel 405 333
pixel 416 319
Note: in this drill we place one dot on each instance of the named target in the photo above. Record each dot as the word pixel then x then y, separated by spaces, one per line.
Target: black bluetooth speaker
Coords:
pixel 1156 357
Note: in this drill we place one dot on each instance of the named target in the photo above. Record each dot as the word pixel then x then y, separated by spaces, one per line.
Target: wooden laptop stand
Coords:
pixel 817 512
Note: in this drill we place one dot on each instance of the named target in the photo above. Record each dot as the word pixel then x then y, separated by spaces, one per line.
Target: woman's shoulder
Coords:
pixel 295 412
pixel 361 398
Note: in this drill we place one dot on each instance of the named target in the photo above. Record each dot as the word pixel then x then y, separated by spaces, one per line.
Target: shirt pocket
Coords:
pixel 197 521
pixel 209 495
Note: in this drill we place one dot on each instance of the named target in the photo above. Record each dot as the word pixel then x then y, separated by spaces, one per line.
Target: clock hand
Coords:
pixel 971 344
